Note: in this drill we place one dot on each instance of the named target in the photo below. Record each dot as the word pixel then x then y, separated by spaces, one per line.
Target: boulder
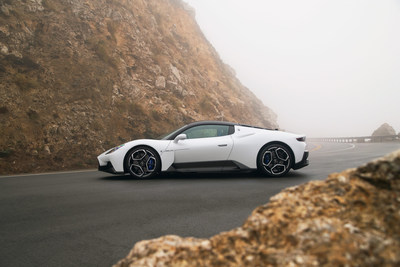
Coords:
pixel 176 73
pixel 160 82
pixel 349 219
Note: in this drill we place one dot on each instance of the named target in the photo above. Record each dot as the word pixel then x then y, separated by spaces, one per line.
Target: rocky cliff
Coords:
pixel 383 130
pixel 349 219
pixel 80 76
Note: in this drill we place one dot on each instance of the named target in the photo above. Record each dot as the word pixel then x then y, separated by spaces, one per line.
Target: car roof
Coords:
pixel 172 135
pixel 224 123
pixel 211 122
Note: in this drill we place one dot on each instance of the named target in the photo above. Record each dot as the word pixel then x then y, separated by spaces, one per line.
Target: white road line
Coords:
pixel 45 173
pixel 352 146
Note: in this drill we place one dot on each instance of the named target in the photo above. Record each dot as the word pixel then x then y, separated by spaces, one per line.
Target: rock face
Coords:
pixel 350 219
pixel 383 130
pixel 80 76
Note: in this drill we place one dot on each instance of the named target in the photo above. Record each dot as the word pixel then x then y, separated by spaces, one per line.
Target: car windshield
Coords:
pixel 168 135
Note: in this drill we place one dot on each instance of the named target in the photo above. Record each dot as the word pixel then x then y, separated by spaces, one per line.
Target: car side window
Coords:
pixel 204 131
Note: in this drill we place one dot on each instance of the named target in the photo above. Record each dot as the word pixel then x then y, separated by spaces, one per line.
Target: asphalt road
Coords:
pixel 93 219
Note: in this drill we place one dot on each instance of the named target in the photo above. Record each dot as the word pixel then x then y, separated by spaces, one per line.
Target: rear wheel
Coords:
pixel 275 160
pixel 143 162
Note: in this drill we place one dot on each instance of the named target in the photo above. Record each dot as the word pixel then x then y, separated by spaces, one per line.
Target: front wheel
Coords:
pixel 143 162
pixel 275 160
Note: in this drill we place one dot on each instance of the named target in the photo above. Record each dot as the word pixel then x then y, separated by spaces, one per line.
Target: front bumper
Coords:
pixel 304 162
pixel 109 168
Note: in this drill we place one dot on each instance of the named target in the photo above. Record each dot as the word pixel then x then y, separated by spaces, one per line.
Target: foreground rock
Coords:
pixel 350 219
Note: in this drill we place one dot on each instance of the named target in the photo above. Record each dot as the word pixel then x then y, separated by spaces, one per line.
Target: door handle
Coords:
pixel 222 145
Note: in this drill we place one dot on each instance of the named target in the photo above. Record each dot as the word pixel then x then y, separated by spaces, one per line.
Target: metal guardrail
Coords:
pixel 359 139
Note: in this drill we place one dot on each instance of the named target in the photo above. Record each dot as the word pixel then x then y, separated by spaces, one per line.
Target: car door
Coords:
pixel 205 146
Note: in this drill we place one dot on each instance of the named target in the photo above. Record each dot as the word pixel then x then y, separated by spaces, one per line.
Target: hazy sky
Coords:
pixel 327 68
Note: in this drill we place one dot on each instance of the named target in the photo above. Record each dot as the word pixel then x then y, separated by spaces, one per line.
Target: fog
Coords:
pixel 327 68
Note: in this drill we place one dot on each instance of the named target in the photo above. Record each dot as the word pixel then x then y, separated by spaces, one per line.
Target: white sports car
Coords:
pixel 209 146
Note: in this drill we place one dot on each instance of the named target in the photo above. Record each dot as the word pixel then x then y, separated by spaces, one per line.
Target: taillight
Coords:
pixel 301 139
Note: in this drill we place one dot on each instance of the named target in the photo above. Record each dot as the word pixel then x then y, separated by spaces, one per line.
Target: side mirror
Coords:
pixel 180 137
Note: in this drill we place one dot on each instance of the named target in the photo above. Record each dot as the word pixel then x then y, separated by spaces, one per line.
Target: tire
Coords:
pixel 143 162
pixel 275 160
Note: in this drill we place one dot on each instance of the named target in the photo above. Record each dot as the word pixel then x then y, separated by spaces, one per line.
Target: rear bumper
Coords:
pixel 304 162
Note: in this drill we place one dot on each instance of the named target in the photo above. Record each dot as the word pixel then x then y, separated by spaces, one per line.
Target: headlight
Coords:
pixel 114 149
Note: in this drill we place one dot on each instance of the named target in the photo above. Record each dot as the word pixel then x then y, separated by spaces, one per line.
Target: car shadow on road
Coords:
pixel 209 175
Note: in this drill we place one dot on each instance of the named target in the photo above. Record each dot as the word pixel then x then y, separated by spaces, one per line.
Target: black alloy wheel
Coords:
pixel 143 162
pixel 275 160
